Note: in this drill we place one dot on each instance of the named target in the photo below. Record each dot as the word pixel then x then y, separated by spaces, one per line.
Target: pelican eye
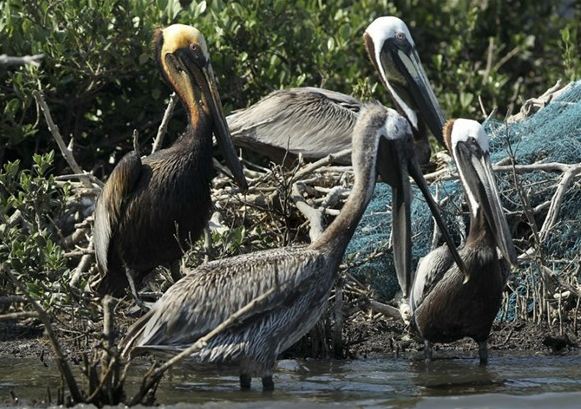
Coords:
pixel 400 36
pixel 198 54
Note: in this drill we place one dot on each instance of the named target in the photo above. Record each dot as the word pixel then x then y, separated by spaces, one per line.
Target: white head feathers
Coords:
pixel 386 27
pixel 464 129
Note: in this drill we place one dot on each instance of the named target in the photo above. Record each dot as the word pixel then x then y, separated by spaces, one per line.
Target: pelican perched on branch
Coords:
pixel 447 304
pixel 151 208
pixel 316 122
pixel 300 278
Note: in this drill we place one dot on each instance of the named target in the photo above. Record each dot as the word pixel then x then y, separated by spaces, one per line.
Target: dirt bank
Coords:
pixel 362 339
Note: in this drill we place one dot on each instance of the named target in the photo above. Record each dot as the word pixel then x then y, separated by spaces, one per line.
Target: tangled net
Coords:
pixel 551 135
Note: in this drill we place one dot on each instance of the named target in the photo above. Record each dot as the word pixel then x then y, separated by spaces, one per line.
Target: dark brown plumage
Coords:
pixel 447 304
pixel 152 208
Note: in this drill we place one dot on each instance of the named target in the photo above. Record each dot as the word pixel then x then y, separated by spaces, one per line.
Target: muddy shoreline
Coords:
pixel 375 338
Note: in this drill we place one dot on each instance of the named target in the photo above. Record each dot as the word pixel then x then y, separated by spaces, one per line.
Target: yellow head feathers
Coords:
pixel 179 36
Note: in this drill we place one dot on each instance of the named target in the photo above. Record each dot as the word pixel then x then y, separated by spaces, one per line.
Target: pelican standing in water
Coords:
pixel 447 304
pixel 316 122
pixel 300 278
pixel 151 208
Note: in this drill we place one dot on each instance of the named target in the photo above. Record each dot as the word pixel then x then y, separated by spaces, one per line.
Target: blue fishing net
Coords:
pixel 553 134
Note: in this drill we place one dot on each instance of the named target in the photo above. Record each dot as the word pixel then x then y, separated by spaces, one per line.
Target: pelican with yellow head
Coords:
pixel 151 208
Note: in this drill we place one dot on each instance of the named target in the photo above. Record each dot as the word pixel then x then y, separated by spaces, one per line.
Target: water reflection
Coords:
pixel 509 381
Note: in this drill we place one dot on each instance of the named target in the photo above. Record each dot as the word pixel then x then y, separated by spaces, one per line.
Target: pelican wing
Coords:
pixel 210 294
pixel 430 271
pixel 314 122
pixel 110 204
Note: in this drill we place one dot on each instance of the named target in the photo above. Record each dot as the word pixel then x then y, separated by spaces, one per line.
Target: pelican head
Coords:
pixel 184 60
pixel 392 51
pixel 469 144
pixel 396 161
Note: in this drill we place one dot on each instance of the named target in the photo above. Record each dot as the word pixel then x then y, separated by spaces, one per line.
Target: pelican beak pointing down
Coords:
pixel 396 163
pixel 393 53
pixel 186 63
pixel 470 149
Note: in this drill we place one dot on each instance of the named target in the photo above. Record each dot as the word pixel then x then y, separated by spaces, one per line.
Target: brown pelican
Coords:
pixel 447 304
pixel 301 277
pixel 316 122
pixel 151 208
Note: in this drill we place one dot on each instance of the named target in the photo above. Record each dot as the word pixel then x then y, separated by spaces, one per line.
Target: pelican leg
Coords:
pixel 174 270
pixel 245 381
pixel 483 352
pixel 267 383
pixel 207 243
pixel 427 351
pixel 138 301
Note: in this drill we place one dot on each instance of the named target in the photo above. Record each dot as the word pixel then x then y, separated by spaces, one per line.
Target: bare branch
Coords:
pixel 83 265
pixel 385 309
pixel 136 142
pixel 162 130
pixel 61 360
pixel 24 60
pixel 314 216
pixel 94 179
pixel 557 200
pixel 18 315
pixel 446 174
pixel 54 130
pixel 321 162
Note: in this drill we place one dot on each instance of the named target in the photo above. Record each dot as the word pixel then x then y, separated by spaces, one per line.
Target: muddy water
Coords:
pixel 508 382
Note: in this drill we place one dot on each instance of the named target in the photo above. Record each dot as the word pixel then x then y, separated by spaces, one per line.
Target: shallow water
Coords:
pixel 508 382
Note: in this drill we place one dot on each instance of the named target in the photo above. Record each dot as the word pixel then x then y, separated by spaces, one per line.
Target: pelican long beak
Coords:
pixel 399 162
pixel 403 75
pixel 476 171
pixel 221 129
pixel 201 72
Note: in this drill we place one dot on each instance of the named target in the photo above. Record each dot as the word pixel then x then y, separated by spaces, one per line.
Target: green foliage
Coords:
pixel 569 47
pixel 101 80
pixel 28 246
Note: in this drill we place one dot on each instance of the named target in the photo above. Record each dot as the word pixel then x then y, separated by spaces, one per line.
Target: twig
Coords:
pixel 61 360
pixel 484 114
pixel 314 216
pixel 136 142
pixel 18 315
pixel 54 130
pixel 73 176
pixel 489 57
pixel 162 130
pixel 24 60
pixel 557 200
pixel 321 162
pixel 446 174
pixel 385 309
pixel 83 264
